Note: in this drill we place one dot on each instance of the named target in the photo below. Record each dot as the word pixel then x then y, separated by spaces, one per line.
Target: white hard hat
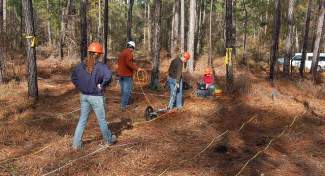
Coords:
pixel 131 43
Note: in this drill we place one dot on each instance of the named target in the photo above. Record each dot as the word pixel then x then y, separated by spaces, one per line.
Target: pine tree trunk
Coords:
pixel 244 60
pixel 191 35
pixel 1 43
pixel 1 15
pixel 234 31
pixel 149 28
pixel 49 22
pixel 31 52
pixel 4 13
pixel 210 34
pixel 201 25
pixel 83 29
pixel 288 49
pixel 297 39
pixel 172 32
pixel 197 25
pixel 175 28
pixel 105 30
pixel 154 84
pixel 62 30
pixel 275 38
pixel 21 28
pixel 129 23
pixel 182 36
pixel 314 26
pixel 1 64
pixel 319 31
pixel 229 41
pixel 305 39
pixel 145 28
pixel 99 29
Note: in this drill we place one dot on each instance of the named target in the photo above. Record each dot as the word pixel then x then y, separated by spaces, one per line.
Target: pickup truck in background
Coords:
pixel 296 59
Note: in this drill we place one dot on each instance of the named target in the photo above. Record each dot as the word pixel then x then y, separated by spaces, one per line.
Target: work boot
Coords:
pixel 114 139
pixel 109 143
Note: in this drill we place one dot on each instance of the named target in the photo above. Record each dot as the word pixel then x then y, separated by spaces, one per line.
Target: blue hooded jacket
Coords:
pixel 87 83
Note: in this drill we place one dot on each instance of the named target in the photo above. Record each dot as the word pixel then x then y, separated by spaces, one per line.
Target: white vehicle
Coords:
pixel 296 59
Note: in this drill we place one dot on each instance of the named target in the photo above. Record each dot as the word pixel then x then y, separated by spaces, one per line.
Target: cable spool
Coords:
pixel 142 76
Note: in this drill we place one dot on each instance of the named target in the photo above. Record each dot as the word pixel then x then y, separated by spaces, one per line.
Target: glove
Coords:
pixel 99 86
pixel 177 85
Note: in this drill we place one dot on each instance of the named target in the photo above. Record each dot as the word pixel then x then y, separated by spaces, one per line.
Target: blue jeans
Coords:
pixel 126 84
pixel 176 95
pixel 96 103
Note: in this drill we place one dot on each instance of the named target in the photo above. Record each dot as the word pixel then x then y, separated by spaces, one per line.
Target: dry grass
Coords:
pixel 34 141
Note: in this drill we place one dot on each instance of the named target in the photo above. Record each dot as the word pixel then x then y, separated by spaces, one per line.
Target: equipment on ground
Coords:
pixel 218 92
pixel 150 114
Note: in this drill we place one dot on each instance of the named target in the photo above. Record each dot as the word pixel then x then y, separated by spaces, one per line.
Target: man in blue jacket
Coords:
pixel 91 77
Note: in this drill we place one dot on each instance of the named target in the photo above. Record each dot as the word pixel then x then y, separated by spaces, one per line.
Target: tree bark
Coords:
pixel 191 35
pixel 244 60
pixel 99 29
pixel 149 27
pixel 234 31
pixel 182 36
pixel 154 84
pixel 210 34
pixel 275 38
pixel 1 43
pixel 314 26
pixel 305 39
pixel 229 41
pixel 175 28
pixel 1 15
pixel 297 39
pixel 83 29
pixel 105 30
pixel 201 25
pixel 31 52
pixel 288 49
pixel 319 31
pixel 129 23
pixel 4 13
pixel 49 22
pixel 1 64
pixel 145 28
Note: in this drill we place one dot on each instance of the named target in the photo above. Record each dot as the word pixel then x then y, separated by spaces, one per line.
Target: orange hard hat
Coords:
pixel 186 55
pixel 95 47
pixel 208 71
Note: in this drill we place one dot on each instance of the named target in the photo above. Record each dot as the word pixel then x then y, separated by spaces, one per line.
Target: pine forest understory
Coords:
pixel 262 113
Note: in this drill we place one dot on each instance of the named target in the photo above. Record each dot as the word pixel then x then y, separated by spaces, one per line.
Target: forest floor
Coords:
pixel 213 136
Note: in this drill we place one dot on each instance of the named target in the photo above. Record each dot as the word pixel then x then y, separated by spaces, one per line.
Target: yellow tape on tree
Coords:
pixel 228 58
pixel 34 42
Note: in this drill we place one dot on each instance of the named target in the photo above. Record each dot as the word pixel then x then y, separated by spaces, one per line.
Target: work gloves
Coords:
pixel 177 85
